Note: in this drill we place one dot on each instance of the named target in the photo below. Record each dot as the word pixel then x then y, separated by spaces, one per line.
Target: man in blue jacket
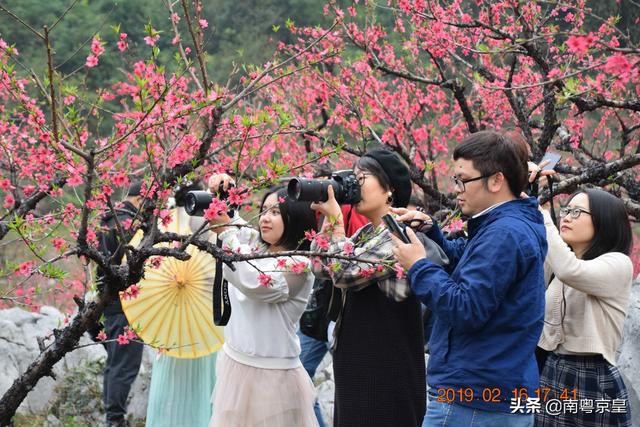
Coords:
pixel 489 302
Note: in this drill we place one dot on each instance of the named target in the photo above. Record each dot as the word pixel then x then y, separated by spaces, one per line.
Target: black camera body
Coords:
pixel 197 201
pixel 345 188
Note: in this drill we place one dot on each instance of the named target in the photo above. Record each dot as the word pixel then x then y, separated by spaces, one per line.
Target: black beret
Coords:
pixel 398 174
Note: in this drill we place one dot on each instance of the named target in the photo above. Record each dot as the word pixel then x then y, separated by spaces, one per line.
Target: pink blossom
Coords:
pixel 101 336
pixel 96 47
pixel 580 44
pixel 310 235
pixel 5 185
pixel 348 248
pixel 9 201
pixel 281 263
pixel 123 36
pixel 131 292
pixel 122 45
pixel 151 41
pixel 175 18
pixel 455 225
pixel 59 243
pixel 24 269
pixel 367 272
pixel 237 196
pixel 618 64
pixel 165 217
pixel 214 210
pixel 68 100
pixel 120 179
pixel 122 339
pixel 265 280
pixel 131 334
pixel 203 23
pixel 299 267
pixel 92 61
pixel 400 272
pixel 322 241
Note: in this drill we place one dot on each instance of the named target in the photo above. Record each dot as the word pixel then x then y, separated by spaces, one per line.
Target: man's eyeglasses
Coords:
pixel 574 212
pixel 460 183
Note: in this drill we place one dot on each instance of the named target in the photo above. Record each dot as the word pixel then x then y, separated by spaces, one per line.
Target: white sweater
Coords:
pixel 597 295
pixel 264 319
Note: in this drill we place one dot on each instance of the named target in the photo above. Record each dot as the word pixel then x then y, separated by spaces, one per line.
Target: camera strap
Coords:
pixel 221 303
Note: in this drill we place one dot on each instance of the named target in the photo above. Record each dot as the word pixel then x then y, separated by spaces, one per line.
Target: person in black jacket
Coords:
pixel 123 361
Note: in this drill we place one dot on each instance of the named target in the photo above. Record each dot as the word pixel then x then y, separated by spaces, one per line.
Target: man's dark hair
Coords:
pixel 297 217
pixel 610 223
pixel 492 152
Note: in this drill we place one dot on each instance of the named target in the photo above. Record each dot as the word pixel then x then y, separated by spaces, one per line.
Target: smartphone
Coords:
pixel 553 158
pixel 393 226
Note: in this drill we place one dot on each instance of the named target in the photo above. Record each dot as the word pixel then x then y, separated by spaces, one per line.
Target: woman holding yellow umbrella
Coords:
pixel 173 312
pixel 260 379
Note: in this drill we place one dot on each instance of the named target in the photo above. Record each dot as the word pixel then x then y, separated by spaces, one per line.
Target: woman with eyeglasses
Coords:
pixel 588 274
pixel 378 357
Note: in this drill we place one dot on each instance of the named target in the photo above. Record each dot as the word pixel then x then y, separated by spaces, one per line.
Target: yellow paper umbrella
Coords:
pixel 174 308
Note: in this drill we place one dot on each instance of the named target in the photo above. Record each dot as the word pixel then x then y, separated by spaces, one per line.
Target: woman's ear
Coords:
pixel 390 198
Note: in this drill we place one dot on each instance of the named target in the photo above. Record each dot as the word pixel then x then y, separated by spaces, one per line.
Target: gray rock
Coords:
pixel 52 421
pixel 325 388
pixel 19 347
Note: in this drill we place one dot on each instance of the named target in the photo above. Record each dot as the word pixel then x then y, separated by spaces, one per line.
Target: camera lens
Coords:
pixel 294 189
pixel 196 202
pixel 190 203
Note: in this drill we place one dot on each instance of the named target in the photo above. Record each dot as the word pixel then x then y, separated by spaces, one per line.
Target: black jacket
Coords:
pixel 109 244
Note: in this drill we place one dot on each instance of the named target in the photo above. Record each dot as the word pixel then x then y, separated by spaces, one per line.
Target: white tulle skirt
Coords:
pixel 245 396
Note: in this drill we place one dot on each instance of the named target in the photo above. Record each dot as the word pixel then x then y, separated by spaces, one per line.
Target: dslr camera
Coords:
pixel 345 188
pixel 199 200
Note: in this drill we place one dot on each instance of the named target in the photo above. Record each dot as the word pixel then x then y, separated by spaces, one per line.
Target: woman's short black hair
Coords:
pixel 369 164
pixel 610 223
pixel 297 217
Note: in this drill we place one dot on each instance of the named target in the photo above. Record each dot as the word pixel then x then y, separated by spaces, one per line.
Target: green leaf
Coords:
pixel 275 28
pixel 289 23
pixel 53 272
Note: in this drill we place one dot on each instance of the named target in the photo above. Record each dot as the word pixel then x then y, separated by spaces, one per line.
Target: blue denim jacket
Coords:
pixel 489 307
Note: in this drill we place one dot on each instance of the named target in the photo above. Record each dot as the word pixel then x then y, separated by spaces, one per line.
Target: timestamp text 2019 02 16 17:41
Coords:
pixel 496 395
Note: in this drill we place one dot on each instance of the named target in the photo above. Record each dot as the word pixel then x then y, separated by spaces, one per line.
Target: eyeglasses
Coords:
pixel 460 183
pixel 574 212
pixel 362 178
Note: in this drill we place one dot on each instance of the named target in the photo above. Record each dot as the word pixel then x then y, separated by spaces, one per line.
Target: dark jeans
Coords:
pixel 311 354
pixel 123 363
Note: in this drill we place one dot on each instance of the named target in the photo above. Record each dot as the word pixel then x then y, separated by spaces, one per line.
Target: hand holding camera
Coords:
pixel 197 201
pixel 330 207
